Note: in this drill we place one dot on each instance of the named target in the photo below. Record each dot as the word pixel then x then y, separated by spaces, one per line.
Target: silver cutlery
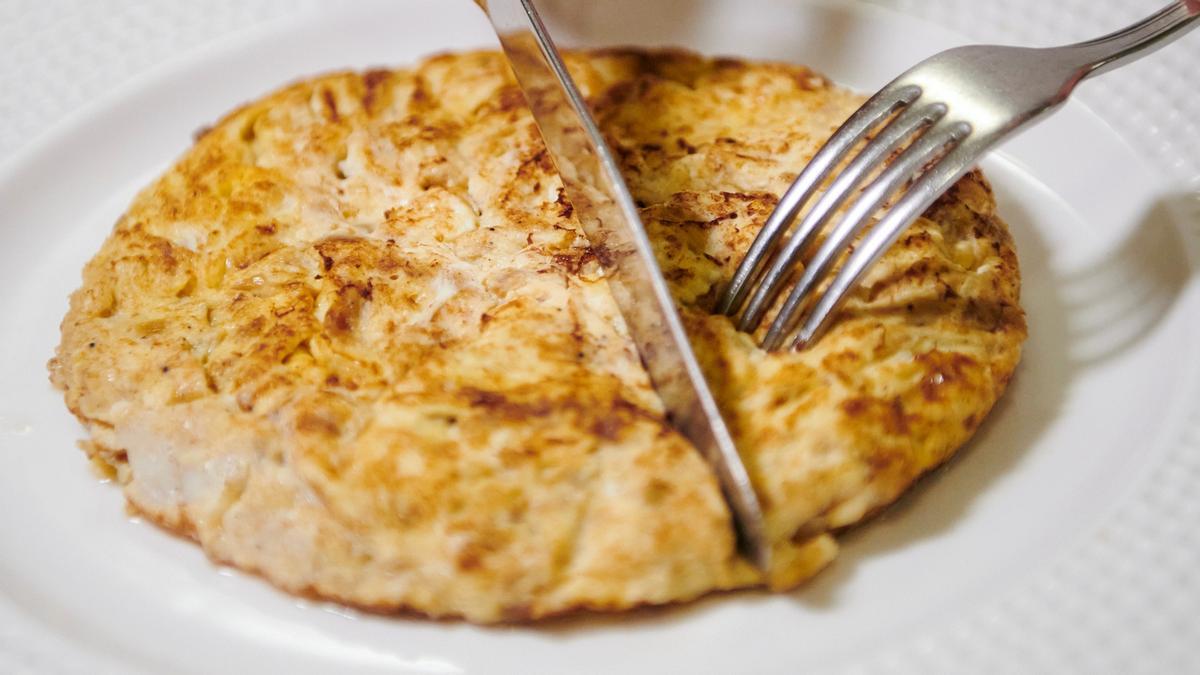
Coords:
pixel 944 113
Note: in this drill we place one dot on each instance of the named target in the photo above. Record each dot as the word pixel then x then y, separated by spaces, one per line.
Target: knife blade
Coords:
pixel 593 183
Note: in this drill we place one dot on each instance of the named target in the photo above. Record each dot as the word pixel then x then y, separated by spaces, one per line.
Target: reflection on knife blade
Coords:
pixel 604 207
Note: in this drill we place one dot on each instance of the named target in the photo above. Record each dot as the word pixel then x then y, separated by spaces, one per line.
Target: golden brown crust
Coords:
pixel 355 341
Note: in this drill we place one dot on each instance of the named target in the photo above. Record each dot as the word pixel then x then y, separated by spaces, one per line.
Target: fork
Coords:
pixel 942 116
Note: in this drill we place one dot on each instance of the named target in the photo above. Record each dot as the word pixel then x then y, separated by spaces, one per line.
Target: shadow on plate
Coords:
pixel 1077 320
pixel 674 23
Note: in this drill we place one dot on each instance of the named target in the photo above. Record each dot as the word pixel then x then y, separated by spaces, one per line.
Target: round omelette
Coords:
pixel 355 341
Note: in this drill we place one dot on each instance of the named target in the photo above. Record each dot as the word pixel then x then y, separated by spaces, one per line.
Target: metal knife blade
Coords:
pixel 602 202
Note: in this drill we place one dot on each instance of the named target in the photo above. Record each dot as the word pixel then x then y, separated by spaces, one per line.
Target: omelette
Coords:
pixel 355 341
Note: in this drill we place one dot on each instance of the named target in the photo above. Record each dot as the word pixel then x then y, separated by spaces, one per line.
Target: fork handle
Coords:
pixel 1127 45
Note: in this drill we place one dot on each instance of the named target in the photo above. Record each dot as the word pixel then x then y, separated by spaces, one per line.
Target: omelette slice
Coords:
pixel 355 341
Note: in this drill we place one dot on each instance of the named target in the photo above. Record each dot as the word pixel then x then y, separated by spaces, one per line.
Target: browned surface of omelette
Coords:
pixel 355 341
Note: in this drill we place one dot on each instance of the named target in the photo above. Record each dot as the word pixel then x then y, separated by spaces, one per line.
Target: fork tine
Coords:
pixel 948 169
pixel 904 126
pixel 911 162
pixel 871 114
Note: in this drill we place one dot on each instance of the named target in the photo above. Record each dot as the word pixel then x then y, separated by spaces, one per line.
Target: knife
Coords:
pixel 592 182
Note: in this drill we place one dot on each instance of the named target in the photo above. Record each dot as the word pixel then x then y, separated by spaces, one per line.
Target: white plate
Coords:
pixel 1000 562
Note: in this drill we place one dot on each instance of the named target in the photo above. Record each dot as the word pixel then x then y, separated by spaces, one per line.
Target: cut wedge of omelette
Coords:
pixel 355 341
